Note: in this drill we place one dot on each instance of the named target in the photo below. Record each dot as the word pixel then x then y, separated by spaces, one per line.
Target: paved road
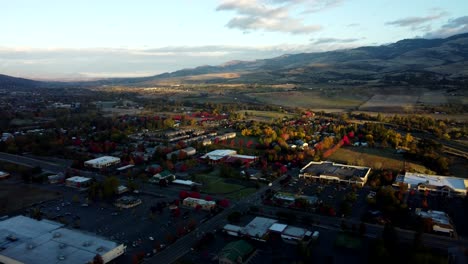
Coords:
pixel 30 162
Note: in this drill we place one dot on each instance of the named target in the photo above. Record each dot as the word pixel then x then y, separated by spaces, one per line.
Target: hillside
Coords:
pixel 406 62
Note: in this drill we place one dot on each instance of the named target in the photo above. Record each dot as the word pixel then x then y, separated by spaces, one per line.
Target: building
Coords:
pixel 441 221
pixel 260 228
pixel 4 175
pixel 242 159
pixel 102 162
pixel 194 202
pixel 435 184
pixel 56 178
pixel 25 240
pixel 218 155
pixel 185 183
pixel 235 252
pixel 163 175
pixel 127 202
pixel 78 182
pixel 122 189
pixel 187 152
pixel 330 171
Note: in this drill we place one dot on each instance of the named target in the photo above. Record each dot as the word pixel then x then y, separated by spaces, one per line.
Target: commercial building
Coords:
pixel 236 252
pixel 25 240
pixel 194 202
pixel 78 182
pixel 260 228
pixel 189 151
pixel 56 178
pixel 163 175
pixel 330 171
pixel 441 221
pixel 102 162
pixel 243 159
pixel 127 202
pixel 4 175
pixel 218 155
pixel 435 184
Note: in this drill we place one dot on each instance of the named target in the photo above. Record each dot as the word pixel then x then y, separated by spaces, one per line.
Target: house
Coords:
pixel 330 171
pixel 435 184
pixel 236 252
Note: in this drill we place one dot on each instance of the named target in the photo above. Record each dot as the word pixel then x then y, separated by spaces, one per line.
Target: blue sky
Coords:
pixel 88 38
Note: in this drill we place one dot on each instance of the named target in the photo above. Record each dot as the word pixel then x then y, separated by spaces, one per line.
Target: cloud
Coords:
pixel 334 40
pixel 272 15
pixel 453 26
pixel 415 23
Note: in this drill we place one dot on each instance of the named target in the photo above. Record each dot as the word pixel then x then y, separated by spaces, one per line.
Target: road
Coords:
pixel 30 162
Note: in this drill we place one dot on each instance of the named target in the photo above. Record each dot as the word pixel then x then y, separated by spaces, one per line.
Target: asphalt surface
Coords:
pixel 30 162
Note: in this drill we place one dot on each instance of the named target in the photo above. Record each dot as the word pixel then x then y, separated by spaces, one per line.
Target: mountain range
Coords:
pixel 428 62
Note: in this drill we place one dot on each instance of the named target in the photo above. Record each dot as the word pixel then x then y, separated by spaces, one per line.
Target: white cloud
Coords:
pixel 453 26
pixel 416 23
pixel 273 15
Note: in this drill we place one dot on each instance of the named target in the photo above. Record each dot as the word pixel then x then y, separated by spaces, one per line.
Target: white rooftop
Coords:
pixel 258 226
pixel 199 201
pixel 219 154
pixel 414 179
pixel 49 242
pixel 278 227
pixel 294 231
pixel 78 179
pixel 103 160
pixel 437 216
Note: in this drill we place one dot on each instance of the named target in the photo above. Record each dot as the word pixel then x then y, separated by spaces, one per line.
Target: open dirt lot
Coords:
pixel 9 197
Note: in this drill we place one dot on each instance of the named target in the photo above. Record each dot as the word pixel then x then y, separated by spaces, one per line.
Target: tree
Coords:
pixel 110 186
pixel 234 217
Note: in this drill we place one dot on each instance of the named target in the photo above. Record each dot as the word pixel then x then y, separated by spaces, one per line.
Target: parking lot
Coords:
pixel 135 227
pixel 331 194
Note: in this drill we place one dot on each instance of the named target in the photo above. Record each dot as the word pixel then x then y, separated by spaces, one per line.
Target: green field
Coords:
pixel 376 159
pixel 349 241
pixel 264 116
pixel 212 183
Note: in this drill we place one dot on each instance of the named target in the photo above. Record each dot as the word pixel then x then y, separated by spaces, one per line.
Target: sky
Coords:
pixel 86 39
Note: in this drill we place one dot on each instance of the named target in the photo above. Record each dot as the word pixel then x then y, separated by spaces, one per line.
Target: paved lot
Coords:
pixel 134 227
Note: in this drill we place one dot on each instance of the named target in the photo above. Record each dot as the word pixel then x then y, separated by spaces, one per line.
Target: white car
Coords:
pixel 151 238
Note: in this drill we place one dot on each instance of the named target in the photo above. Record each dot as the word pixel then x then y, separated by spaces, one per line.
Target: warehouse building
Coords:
pixel 335 172
pixel 194 202
pixel 435 184
pixel 102 162
pixel 25 240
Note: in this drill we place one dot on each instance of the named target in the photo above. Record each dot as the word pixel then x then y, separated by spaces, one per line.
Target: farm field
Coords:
pixel 376 159
pixel 390 103
pixel 264 116
pixel 309 99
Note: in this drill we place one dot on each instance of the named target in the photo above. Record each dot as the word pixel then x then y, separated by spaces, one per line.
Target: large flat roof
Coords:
pixel 341 171
pixel 78 179
pixel 414 179
pixel 219 154
pixel 103 160
pixel 30 241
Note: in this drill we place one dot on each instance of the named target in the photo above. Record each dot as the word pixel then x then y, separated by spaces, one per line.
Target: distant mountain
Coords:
pixel 409 61
pixel 8 82
pixel 417 62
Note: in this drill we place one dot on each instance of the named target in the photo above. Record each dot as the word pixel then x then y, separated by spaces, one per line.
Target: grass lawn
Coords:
pixel 264 115
pixel 376 159
pixel 240 194
pixel 215 184
pixel 349 241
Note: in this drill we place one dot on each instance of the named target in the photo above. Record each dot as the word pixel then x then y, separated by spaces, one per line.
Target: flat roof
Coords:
pixel 4 173
pixel 219 154
pixel 278 227
pixel 49 242
pixel 294 231
pixel 342 171
pixel 126 167
pixel 103 160
pixel 185 182
pixel 455 183
pixel 258 226
pixel 199 201
pixel 78 179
